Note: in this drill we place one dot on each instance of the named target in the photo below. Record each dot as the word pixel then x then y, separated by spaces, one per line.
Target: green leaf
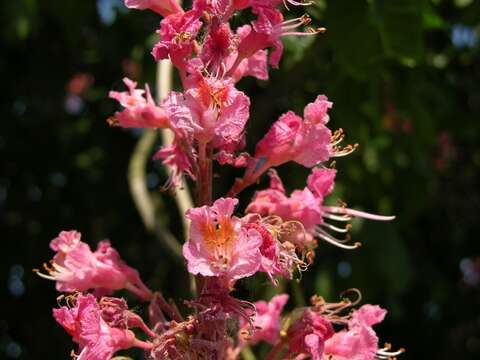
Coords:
pixel 401 29
pixel 295 48
pixel 431 20
pixel 354 37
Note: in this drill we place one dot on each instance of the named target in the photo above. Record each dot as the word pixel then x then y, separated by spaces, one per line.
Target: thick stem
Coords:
pixel 204 184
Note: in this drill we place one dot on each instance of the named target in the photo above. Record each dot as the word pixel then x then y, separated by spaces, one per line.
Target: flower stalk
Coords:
pixel 275 238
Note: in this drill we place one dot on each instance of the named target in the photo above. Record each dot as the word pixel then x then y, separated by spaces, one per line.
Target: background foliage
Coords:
pixel 404 76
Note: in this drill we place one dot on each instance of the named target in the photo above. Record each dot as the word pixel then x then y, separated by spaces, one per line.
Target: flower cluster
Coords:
pixel 275 237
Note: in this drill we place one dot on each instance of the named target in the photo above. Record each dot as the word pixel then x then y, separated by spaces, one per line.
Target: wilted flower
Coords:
pixel 96 339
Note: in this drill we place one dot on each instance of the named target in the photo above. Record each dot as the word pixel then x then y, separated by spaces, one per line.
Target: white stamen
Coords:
pixel 356 213
pixel 330 239
pixel 337 229
pixel 335 217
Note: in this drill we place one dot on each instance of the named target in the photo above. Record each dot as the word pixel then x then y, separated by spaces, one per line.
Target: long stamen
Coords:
pixel 356 213
pixel 48 277
pixel 296 3
pixel 302 19
pixel 330 239
pixel 335 217
pixel 310 31
pixel 337 229
pixel 342 241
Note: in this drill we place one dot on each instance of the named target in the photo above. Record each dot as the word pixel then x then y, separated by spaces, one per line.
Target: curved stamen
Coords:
pixel 337 137
pixel 385 353
pixel 356 292
pixel 296 3
pixel 346 150
pixel 343 241
pixel 330 239
pixel 344 230
pixel 45 276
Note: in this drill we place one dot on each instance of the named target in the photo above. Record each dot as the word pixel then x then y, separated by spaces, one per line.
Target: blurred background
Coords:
pixel 404 76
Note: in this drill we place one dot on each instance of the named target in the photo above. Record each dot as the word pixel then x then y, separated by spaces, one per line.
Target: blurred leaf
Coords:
pixel 295 48
pixel 401 28
pixel 431 20
pixel 354 38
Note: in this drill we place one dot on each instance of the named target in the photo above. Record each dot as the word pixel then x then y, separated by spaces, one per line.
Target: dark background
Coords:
pixel 404 76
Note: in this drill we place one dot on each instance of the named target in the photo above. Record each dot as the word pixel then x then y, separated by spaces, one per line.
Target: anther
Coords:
pixel 112 121
pixel 305 19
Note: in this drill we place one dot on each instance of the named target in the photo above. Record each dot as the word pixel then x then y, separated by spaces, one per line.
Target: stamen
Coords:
pixel 304 19
pixel 385 353
pixel 356 213
pixel 296 3
pixel 183 36
pixel 337 136
pixel 335 217
pixel 356 292
pixel 299 33
pixel 337 229
pixel 48 277
pixel 334 241
pixel 347 239
pixel 346 150
pixel 112 121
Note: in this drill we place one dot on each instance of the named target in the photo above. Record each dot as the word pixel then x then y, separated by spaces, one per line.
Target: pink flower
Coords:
pixel 267 31
pixel 368 315
pixel 307 207
pixel 308 335
pixel 96 339
pixel 219 244
pixel 179 159
pixel 279 255
pixel 359 342
pixel 254 65
pixel 76 268
pixel 321 181
pixel 219 110
pixel 267 320
pixel 317 112
pixel 214 111
pixel 115 313
pixel 218 45
pixel 162 7
pixel 302 205
pixel 177 35
pixel 140 109
pixel 292 139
